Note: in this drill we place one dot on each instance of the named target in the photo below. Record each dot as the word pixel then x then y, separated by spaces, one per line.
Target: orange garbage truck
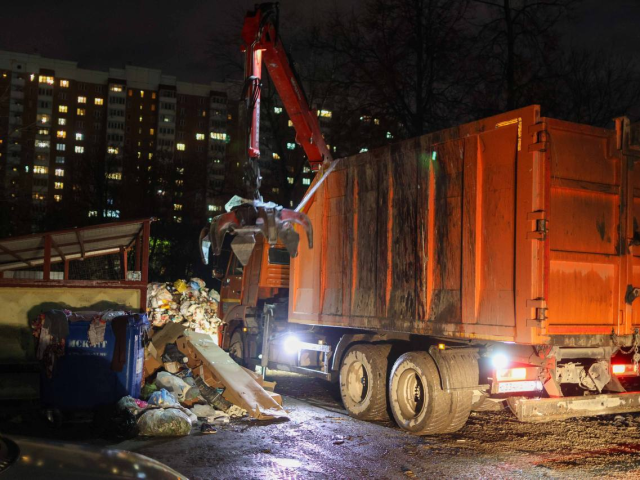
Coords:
pixel 494 262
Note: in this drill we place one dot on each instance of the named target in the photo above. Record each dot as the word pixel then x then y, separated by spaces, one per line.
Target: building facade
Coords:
pixel 79 144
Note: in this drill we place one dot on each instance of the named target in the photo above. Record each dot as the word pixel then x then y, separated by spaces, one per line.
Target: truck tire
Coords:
pixel 418 403
pixel 363 381
pixel 464 371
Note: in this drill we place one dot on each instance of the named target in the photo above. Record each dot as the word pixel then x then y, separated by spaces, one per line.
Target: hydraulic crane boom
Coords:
pixel 261 42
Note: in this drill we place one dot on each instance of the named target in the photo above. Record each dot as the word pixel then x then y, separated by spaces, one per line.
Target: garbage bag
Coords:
pixel 131 404
pixel 175 385
pixel 162 397
pixel 147 390
pixel 113 422
pixel 164 422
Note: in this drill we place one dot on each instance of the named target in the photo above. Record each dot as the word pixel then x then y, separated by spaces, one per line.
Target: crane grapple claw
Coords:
pixel 248 219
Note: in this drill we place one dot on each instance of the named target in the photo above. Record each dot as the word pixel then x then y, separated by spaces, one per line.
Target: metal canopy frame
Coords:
pixel 45 249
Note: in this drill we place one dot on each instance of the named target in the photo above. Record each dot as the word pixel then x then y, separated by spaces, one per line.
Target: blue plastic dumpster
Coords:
pixel 83 378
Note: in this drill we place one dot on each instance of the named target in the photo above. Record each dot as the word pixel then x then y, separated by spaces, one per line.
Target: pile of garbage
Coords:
pixel 190 382
pixel 189 303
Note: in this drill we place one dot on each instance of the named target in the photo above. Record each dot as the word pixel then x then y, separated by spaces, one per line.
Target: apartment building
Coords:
pixel 77 143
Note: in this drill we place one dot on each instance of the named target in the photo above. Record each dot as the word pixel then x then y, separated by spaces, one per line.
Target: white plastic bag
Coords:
pixel 164 422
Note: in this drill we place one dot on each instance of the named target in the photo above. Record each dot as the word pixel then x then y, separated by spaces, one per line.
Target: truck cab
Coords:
pixel 244 292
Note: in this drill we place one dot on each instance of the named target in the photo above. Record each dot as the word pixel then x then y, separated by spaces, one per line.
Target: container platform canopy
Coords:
pixel 65 245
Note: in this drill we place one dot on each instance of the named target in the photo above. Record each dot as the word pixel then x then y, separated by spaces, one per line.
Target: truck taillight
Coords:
pixel 511 374
pixel 624 369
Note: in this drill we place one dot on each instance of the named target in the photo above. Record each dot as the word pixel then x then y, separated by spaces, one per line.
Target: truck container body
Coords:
pixel 495 262
pixel 515 228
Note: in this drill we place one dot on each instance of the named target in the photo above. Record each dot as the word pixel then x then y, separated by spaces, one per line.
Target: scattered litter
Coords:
pixel 207 428
pixel 189 302
pixel 147 390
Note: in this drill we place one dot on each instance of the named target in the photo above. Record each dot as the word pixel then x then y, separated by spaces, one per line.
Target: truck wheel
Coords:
pixel 418 403
pixel 236 346
pixel 464 371
pixel 363 381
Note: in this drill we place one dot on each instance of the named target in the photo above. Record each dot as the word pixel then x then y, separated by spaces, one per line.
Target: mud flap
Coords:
pixel 538 410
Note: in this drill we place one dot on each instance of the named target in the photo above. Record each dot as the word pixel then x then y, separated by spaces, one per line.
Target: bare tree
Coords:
pixel 401 59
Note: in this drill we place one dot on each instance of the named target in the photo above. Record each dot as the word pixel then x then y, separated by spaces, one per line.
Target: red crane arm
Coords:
pixel 262 42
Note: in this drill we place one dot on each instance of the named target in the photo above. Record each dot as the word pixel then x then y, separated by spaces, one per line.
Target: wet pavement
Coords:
pixel 322 441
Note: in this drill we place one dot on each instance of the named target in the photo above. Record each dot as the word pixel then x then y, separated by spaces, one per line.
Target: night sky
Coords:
pixel 175 36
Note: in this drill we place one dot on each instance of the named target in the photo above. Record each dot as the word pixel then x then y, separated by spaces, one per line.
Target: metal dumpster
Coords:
pixel 83 378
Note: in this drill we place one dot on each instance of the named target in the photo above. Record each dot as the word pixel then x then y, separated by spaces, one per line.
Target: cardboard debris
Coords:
pixel 169 334
pixel 241 388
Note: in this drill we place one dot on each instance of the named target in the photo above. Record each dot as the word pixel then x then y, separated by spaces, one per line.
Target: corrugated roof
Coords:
pixel 105 239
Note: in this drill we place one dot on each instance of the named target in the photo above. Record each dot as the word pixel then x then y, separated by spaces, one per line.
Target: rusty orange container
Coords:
pixel 515 228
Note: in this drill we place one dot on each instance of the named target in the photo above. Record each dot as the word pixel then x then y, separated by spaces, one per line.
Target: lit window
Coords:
pixel 291 146
pixel 80 112
pixel 114 176
pixel 44 79
pixel 275 190
pixel 277 109
pixel 324 113
pixel 141 93
pixel 43 131
pixel 59 172
pixel 178 219
pixel 92 213
pixel 152 131
pixel 82 99
pixel 306 169
pixel 140 119
pixel 290 180
pixel 60 147
pixel 218 136
pixel 290 123
pixel 389 135
pixel 130 92
pixel 306 181
pixel 62 108
pixel 59 159
pixel 376 121
pixel 177 206
pixel 79 149
pixel 61 134
pixel 180 146
pixel 58 185
pixel 57 198
pixel 62 121
pixel 79 137
pixel 365 118
pixel 112 150
pixel 43 118
pixel 31 77
pixel 199 136
pixel 39 169
pixel 150 156
pixel 116 88
pixel 64 83
pixel 275 156
pixel 215 208
pixel 363 150
pixel 111 213
pixel 98 101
